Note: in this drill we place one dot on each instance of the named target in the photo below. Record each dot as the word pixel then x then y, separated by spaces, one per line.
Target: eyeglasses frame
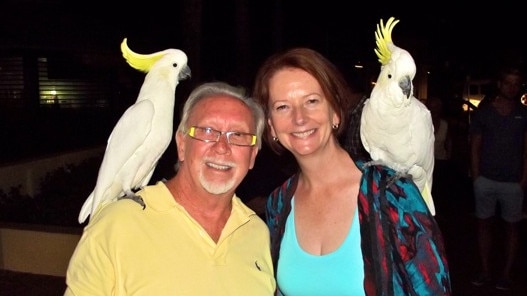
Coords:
pixel 192 130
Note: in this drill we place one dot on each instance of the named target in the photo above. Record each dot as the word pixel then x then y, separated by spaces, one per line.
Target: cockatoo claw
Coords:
pixel 391 180
pixel 372 163
pixel 398 175
pixel 135 198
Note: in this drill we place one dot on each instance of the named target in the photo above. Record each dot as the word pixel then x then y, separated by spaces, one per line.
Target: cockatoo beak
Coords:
pixel 185 73
pixel 406 86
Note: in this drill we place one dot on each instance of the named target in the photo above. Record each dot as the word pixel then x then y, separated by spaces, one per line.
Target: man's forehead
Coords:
pixel 223 108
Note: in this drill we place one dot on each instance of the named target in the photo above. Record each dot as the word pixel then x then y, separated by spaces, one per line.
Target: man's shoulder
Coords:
pixel 153 189
pixel 126 208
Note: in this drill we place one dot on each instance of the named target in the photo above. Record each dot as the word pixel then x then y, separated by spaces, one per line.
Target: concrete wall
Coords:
pixel 37 249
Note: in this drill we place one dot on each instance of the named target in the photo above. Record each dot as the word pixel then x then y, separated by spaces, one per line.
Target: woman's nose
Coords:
pixel 299 116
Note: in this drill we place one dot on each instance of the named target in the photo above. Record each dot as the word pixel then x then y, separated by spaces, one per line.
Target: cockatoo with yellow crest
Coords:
pixel 143 132
pixel 396 128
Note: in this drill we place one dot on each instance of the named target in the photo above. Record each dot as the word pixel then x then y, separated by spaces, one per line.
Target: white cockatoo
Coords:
pixel 143 132
pixel 396 128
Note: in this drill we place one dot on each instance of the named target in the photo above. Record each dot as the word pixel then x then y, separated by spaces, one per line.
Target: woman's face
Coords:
pixel 300 115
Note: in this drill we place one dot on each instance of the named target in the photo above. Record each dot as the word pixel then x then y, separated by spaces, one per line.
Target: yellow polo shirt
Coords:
pixel 162 250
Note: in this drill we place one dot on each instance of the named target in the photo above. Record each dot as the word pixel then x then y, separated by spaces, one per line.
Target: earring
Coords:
pixel 275 139
pixel 335 126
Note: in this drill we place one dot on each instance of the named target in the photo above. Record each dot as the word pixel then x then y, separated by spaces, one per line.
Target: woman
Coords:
pixel 335 227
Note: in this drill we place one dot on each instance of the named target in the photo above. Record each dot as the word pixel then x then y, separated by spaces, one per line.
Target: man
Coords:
pixel 195 236
pixel 499 171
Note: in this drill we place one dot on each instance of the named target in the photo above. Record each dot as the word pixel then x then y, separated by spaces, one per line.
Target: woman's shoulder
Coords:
pixel 373 166
pixel 385 176
pixel 381 181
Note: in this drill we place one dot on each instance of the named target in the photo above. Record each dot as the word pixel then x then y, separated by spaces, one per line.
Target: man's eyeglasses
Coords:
pixel 207 134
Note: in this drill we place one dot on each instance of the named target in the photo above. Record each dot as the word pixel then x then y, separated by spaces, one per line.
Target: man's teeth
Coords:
pixel 217 166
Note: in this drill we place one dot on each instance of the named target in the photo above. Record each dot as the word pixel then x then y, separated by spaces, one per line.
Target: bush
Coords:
pixel 62 193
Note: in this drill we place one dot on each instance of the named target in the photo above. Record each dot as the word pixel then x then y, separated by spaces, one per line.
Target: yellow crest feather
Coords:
pixel 141 62
pixel 383 37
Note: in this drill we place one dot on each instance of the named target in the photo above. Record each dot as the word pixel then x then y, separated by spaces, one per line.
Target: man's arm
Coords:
pixel 90 272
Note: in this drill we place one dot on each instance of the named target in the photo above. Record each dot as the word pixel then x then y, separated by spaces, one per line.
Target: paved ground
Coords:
pixel 25 284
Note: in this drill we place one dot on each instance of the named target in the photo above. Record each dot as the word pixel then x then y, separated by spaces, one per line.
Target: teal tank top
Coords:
pixel 301 273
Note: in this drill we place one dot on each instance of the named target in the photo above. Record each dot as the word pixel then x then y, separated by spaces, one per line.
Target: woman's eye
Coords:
pixel 281 107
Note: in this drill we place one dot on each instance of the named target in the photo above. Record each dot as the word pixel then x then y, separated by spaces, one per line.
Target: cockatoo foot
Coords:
pixel 135 198
pixel 398 175
pixel 372 163
pixel 391 180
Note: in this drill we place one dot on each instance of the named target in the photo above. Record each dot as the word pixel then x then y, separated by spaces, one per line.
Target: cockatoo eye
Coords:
pixel 390 76
pixel 174 65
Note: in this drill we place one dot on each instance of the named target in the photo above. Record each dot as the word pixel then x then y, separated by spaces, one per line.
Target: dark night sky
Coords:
pixel 472 39
pixel 499 22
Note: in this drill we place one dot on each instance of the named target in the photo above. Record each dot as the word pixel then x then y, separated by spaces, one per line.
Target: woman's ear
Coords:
pixel 271 128
pixel 335 120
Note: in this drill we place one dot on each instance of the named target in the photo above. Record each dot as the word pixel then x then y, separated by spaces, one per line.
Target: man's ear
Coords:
pixel 254 152
pixel 180 144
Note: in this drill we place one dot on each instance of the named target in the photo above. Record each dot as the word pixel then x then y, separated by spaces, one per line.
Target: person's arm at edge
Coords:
pixel 475 149
pixel 523 180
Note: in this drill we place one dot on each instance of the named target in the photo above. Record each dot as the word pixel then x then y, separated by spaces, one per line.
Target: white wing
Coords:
pixel 123 146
